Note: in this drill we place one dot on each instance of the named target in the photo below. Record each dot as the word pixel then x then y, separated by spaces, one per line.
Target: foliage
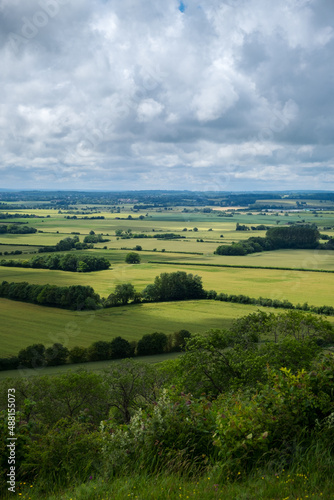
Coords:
pixel 33 356
pixel 172 435
pixel 284 409
pixel 56 355
pixel 95 238
pixel 227 359
pixel 65 245
pixel 17 229
pixel 124 293
pixel 132 258
pixel 78 354
pixel 72 297
pixel 295 236
pixel 175 286
pixel 154 343
pixel 67 452
pixel 121 348
pixel 131 385
pixel 68 262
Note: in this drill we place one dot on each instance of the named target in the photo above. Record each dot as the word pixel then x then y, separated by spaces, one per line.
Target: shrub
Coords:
pixel 69 450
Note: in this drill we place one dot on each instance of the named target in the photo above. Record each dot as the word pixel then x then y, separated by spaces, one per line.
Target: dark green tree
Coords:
pixel 132 258
pixel 56 355
pixel 175 286
pixel 124 293
pixel 154 343
pixel 33 356
pixel 120 348
pixel 99 351
pixel 78 354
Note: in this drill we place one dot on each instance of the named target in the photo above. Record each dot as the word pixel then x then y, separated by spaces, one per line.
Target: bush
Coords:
pixel 172 435
pixel 69 450
pixel 284 409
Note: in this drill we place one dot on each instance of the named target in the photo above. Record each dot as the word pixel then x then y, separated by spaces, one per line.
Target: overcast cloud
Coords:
pixel 158 94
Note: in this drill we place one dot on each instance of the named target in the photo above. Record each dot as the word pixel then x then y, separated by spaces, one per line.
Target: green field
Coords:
pixel 314 288
pixel 36 324
pixel 94 366
pixel 24 324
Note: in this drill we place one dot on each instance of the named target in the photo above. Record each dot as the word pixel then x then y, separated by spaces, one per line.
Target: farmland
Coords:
pixel 244 318
pixel 48 325
pixel 199 230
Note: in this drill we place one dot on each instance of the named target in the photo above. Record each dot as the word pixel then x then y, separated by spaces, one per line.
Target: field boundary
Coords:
pixel 243 266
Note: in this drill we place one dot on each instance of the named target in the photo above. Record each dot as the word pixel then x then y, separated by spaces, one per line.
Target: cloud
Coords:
pixel 117 95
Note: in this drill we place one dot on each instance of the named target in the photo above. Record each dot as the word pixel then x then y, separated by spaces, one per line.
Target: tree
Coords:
pixel 175 286
pixel 56 355
pixel 293 236
pixel 120 348
pixel 33 356
pixel 133 258
pixel 154 343
pixel 82 267
pixel 99 351
pixel 226 360
pixel 179 339
pixel 124 292
pixel 130 385
pixel 78 354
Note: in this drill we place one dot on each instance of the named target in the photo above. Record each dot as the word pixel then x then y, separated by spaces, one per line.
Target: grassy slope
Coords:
pixel 25 324
pixel 95 366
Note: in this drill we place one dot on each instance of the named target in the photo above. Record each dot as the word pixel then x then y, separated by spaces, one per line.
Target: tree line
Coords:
pixel 75 297
pixel 17 229
pixel 302 237
pixel 65 245
pixel 166 287
pixel 38 356
pixel 128 234
pixel 68 262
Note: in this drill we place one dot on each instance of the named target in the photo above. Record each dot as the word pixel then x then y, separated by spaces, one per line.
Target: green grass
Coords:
pixel 94 366
pixel 308 259
pixel 298 287
pixel 30 323
pixel 264 485
pixel 26 324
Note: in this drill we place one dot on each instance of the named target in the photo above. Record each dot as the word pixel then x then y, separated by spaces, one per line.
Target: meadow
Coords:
pixel 295 286
pixel 201 234
pixel 48 325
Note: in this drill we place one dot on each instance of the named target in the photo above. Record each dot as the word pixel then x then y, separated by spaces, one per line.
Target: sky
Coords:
pixel 212 95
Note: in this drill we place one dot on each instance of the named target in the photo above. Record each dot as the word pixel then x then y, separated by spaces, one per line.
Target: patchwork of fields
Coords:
pixel 24 324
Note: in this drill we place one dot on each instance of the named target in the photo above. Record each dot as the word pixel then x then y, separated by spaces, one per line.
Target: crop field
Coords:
pixel 295 286
pixel 201 232
pixel 48 325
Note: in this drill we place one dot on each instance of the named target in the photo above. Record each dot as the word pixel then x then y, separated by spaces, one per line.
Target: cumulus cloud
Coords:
pixel 229 94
